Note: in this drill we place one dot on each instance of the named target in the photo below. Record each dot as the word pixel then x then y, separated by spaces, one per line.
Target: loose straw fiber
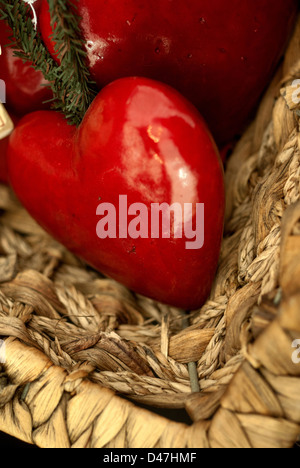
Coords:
pixel 76 343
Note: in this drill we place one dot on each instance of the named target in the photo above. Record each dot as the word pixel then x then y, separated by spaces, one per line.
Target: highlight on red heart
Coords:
pixel 165 221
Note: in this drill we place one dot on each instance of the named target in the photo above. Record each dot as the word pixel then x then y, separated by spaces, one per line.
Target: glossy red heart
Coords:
pixel 220 55
pixel 141 141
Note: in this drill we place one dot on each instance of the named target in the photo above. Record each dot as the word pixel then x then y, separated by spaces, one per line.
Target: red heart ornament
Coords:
pixel 220 55
pixel 140 144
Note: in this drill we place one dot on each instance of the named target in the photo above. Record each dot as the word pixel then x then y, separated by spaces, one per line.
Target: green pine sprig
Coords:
pixel 73 90
pixel 78 89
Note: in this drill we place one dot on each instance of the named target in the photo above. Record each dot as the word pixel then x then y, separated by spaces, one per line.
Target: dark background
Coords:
pixel 10 442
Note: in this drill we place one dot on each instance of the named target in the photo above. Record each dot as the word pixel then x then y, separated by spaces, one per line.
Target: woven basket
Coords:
pixel 84 356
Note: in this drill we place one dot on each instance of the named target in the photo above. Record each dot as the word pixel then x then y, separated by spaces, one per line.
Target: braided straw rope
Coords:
pixel 76 343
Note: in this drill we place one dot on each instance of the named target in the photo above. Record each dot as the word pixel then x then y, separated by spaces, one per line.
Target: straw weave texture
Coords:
pixel 76 343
